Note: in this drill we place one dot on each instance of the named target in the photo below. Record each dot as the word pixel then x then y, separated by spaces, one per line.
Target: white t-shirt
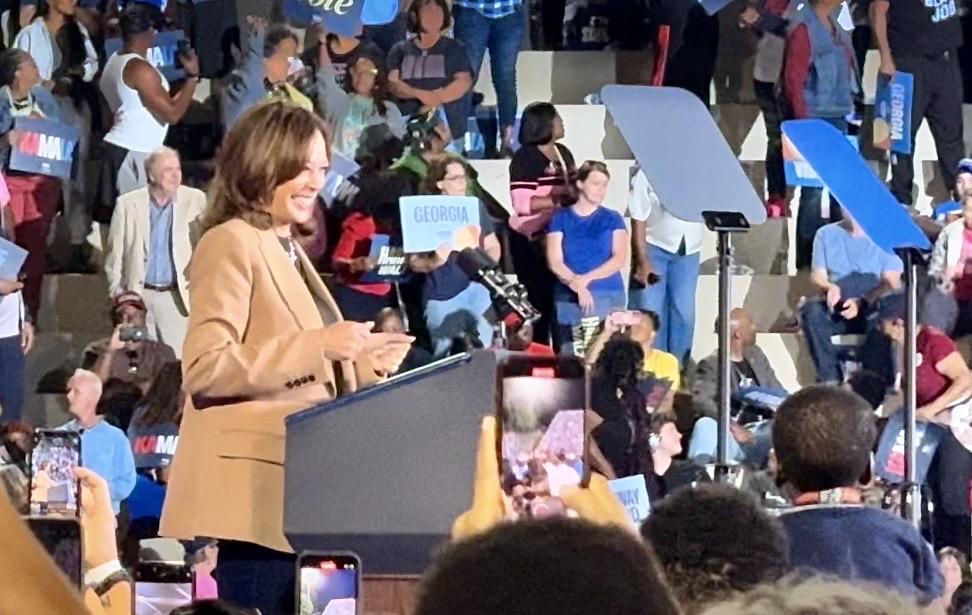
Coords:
pixel 664 230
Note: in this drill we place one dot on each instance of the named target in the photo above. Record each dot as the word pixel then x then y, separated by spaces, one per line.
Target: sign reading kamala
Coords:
pixel 163 54
pixel 892 112
pixel 431 221
pixel 43 147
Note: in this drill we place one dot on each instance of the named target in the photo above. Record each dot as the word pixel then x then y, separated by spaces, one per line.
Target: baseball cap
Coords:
pixel 964 166
pixel 893 307
pixel 128 297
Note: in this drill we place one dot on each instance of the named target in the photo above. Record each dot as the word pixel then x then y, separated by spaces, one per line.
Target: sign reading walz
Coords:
pixel 163 54
pixel 43 147
pixel 342 17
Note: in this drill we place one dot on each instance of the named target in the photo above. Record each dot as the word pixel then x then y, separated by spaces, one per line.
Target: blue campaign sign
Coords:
pixel 854 184
pixel 43 147
pixel 676 141
pixel 428 222
pixel 163 54
pixel 892 112
pixel 390 262
pixel 335 181
pixel 632 492
pixel 341 17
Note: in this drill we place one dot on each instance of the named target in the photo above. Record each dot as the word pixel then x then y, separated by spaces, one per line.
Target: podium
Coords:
pixel 385 471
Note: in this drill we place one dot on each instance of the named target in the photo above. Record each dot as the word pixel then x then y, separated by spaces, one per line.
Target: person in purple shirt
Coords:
pixel 823 437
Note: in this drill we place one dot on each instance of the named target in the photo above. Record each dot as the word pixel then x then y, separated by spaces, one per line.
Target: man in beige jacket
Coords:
pixel 153 232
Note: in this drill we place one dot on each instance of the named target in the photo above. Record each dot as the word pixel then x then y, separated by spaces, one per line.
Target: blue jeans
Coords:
pixel 569 314
pixel 504 38
pixel 12 362
pixel 705 442
pixel 819 324
pixel 459 316
pixel 672 298
pixel 809 216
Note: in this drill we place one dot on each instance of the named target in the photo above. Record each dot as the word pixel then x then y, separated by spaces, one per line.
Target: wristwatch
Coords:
pixel 102 578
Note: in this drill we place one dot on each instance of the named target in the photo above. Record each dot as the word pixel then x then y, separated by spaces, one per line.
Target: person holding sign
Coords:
pixel 455 306
pixel 33 197
pixel 359 103
pixel 263 72
pixel 67 61
pixel 265 340
pixel 922 37
pixel 432 70
pixel 587 243
pixel 138 95
pixel 819 81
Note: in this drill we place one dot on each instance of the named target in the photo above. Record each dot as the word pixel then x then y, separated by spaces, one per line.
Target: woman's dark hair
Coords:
pixel 616 397
pixel 385 314
pixel 437 172
pixel 277 34
pixel 164 399
pixel 118 401
pixel 10 61
pixel 536 124
pixel 415 24
pixel 138 18
pixel 379 93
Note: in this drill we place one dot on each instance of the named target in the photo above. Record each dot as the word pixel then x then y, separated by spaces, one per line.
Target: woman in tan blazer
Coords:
pixel 265 340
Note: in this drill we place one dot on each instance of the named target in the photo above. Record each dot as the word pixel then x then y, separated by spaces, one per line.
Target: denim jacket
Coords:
pixel 832 83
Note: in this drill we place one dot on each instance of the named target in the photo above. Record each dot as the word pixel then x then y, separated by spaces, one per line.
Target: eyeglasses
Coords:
pixel 366 71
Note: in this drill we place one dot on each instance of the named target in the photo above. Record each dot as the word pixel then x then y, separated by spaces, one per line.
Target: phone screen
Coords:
pixel 542 404
pixel 161 587
pixel 328 584
pixel 62 541
pixel 53 485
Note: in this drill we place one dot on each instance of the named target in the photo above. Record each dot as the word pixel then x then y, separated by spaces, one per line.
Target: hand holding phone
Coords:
pixel 543 442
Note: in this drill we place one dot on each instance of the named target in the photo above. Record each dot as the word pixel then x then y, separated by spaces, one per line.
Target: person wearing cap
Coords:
pixel 949 211
pixel 943 385
pixel 269 61
pixel 153 233
pixel 135 361
pixel 949 303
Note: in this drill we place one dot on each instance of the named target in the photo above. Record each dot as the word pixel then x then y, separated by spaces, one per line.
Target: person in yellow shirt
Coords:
pixel 642 327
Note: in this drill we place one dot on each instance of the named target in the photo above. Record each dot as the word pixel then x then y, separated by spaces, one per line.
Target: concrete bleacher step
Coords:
pixel 769 299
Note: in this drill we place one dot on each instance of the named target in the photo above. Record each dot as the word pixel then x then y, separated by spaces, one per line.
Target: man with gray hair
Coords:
pixel 104 448
pixel 153 232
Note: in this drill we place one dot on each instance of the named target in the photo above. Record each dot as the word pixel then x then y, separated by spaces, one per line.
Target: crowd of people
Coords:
pixel 266 296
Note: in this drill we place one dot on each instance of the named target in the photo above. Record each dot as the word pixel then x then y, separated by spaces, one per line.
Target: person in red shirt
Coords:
pixel 943 382
pixel 521 340
pixel 373 213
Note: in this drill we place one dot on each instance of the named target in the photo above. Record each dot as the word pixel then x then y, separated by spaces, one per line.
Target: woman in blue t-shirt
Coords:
pixel 586 247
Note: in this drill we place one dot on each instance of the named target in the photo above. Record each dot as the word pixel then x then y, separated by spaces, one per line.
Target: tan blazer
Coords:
pixel 252 356
pixel 126 255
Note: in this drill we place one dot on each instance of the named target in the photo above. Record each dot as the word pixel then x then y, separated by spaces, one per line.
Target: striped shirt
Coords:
pixel 493 9
pixel 533 174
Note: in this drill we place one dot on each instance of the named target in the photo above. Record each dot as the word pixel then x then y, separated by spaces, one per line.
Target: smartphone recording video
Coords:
pixel 53 485
pixel 162 587
pixel 62 541
pixel 328 584
pixel 541 410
